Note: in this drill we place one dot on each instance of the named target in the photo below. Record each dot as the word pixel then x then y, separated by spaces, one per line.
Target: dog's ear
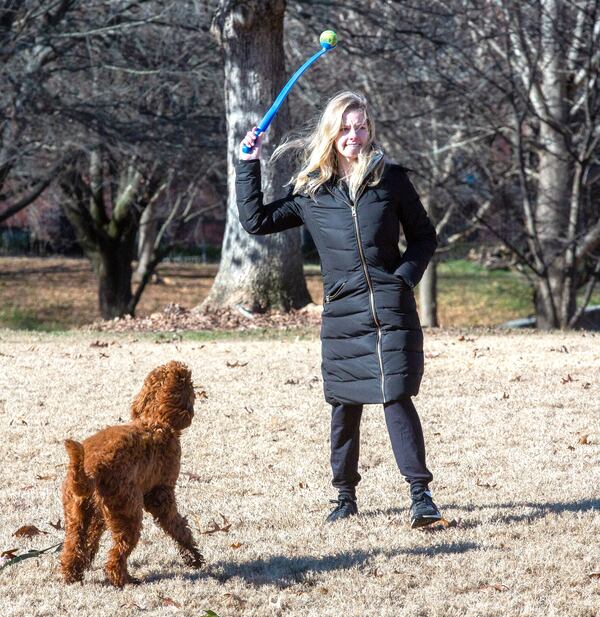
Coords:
pixel 139 402
pixel 147 394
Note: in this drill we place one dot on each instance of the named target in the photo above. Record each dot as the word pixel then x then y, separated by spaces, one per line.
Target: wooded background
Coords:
pixel 125 116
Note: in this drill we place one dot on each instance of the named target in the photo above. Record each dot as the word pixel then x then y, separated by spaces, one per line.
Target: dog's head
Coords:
pixel 167 397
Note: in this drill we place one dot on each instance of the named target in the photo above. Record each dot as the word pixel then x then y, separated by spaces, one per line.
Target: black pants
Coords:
pixel 406 435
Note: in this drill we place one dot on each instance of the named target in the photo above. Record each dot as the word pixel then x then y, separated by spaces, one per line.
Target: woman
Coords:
pixel 352 201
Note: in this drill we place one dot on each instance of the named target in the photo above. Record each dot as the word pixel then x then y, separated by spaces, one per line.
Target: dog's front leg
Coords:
pixel 160 502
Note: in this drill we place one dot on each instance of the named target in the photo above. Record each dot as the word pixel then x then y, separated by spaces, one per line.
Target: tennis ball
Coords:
pixel 328 39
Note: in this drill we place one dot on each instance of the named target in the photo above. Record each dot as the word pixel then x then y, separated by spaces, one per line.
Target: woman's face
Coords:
pixel 353 135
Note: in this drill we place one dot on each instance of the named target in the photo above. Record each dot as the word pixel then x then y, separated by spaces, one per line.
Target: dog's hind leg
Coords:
pixel 125 526
pixel 96 529
pixel 74 558
pixel 160 502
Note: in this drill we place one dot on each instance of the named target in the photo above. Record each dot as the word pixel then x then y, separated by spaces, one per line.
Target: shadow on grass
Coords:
pixel 537 510
pixel 283 571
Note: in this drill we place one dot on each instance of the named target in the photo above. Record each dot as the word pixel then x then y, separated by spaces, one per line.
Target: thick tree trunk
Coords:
pixel 113 273
pixel 428 296
pixel 256 272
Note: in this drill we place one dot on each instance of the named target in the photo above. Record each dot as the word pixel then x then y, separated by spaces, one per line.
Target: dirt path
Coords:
pixel 511 423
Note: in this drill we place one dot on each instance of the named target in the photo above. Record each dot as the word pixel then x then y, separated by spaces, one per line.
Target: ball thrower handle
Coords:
pixel 268 117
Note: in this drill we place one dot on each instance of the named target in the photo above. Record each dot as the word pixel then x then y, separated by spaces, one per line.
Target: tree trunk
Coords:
pixel 428 285
pixel 555 174
pixel 428 296
pixel 257 272
pixel 113 273
pixel 146 239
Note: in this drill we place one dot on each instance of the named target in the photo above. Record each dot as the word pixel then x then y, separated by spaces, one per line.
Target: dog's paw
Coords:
pixel 194 560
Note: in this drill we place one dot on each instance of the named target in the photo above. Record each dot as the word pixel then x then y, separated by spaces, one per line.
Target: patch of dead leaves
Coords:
pixel 176 318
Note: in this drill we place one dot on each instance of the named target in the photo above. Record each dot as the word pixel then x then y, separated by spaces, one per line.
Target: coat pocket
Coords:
pixel 335 291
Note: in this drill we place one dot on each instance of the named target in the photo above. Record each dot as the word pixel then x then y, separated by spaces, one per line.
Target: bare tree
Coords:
pixel 132 110
pixel 541 57
pixel 389 51
pixel 256 272
pixel 29 48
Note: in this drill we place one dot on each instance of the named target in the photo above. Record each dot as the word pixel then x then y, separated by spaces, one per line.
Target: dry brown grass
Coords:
pixel 512 426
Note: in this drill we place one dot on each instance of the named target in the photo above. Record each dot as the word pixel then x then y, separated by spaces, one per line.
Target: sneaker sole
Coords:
pixel 424 521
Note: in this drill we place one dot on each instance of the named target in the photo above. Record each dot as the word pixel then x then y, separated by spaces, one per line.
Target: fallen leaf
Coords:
pixel 28 531
pixel 292 382
pixel 201 394
pixel 484 484
pixel 191 476
pixel 234 600
pixel 169 602
pixel 57 525
pixel 235 364
pixel 99 344
pixel 505 396
pixel 236 545
pixel 209 613
pixel 567 379
pixel 9 554
pixel 583 440
pixel 132 605
pixel 214 527
pixel 496 587
pixel 440 525
pixel 516 378
pixel 49 477
pixel 594 574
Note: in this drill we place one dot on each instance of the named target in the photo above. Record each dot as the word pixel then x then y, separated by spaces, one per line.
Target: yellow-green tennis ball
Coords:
pixel 329 38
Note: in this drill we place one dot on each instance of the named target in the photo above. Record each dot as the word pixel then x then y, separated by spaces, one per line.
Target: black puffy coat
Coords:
pixel 372 342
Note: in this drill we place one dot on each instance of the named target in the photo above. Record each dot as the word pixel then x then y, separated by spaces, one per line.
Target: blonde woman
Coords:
pixel 353 202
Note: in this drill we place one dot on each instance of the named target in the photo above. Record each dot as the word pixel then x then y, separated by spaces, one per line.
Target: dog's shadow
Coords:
pixel 283 571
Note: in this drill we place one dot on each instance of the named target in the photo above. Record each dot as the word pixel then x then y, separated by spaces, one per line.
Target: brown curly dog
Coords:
pixel 116 474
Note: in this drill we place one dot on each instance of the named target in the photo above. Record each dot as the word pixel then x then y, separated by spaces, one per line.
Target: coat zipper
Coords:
pixel 369 283
pixel 333 296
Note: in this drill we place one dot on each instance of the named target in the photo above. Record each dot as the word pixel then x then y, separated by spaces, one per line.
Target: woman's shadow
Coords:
pixel 284 571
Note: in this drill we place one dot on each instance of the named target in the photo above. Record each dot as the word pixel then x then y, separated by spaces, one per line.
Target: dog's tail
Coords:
pixel 82 485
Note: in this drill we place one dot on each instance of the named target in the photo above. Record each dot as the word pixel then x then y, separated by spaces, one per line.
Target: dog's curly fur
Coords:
pixel 122 470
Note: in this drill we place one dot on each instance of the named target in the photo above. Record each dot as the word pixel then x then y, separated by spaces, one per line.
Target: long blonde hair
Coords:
pixel 317 151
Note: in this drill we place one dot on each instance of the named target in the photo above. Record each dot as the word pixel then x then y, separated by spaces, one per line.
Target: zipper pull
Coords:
pixel 353 208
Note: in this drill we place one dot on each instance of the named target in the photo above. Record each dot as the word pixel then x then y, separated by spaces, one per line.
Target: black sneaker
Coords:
pixel 346 506
pixel 423 511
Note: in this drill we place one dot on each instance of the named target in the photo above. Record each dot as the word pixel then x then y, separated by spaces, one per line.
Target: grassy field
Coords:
pixel 512 429
pixel 58 294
